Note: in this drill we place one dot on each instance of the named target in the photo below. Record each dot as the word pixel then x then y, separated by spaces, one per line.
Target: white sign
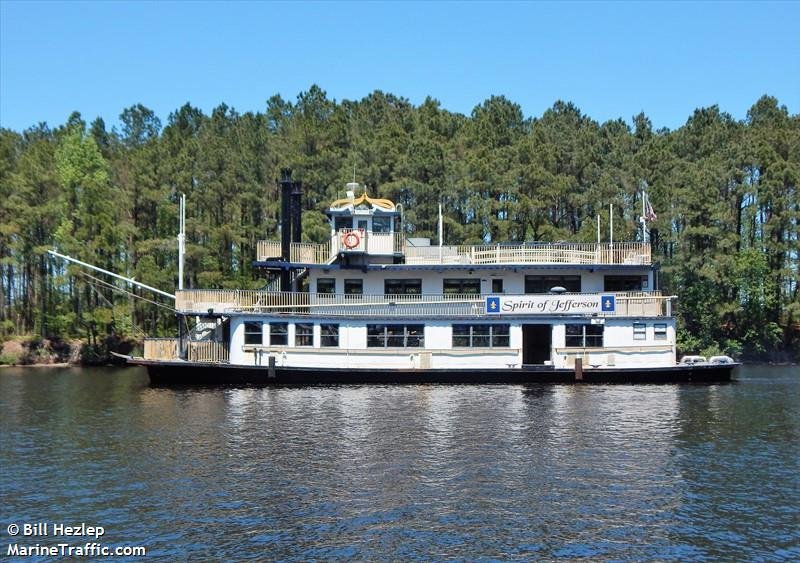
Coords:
pixel 549 304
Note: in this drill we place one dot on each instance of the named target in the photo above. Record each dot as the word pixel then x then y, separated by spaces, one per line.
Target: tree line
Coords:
pixel 725 191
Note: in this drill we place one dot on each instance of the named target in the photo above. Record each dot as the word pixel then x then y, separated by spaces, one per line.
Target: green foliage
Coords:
pixel 727 234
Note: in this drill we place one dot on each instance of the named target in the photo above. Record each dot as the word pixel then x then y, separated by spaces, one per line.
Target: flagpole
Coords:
pixel 598 229
pixel 441 229
pixel 644 213
pixel 611 224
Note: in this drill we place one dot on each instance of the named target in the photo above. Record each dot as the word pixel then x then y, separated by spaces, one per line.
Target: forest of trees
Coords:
pixel 727 236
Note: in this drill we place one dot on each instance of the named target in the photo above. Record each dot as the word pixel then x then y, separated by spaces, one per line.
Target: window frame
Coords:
pixel 623 283
pixel 306 335
pixel 384 228
pixel 572 283
pixel 327 281
pixel 660 331
pixel 350 282
pixel 588 337
pixel 404 285
pixel 481 335
pixel 249 332
pixel 460 285
pixel 325 339
pixel 273 334
pixel 400 335
pixel 639 331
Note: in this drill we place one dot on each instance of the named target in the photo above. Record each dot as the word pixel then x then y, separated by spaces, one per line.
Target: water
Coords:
pixel 418 472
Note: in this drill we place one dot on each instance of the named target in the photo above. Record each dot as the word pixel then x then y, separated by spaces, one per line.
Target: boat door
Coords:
pixel 537 343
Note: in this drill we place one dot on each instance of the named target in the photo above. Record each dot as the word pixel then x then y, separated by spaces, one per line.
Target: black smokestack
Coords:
pixel 297 211
pixel 285 184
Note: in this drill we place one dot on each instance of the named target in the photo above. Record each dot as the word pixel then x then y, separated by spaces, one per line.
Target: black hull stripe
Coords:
pixel 185 373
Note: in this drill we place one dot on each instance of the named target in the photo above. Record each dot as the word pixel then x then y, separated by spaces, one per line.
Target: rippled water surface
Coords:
pixel 428 472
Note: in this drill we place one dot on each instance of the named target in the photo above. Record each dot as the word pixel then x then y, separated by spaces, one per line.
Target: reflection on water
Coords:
pixel 418 472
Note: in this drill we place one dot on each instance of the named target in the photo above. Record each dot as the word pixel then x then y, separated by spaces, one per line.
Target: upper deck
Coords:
pixel 226 302
pixel 366 230
pixel 394 244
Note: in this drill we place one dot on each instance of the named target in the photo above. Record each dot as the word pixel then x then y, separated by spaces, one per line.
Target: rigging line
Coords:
pixel 115 288
pixel 133 327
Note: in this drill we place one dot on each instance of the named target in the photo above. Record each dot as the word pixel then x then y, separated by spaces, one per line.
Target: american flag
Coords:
pixel 649 212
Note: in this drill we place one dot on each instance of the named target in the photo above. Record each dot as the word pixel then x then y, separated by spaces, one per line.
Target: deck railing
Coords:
pixel 160 348
pixel 207 351
pixel 538 253
pixel 357 240
pixel 649 304
pixel 196 351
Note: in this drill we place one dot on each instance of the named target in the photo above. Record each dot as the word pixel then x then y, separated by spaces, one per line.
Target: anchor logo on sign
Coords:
pixel 607 303
pixel 492 304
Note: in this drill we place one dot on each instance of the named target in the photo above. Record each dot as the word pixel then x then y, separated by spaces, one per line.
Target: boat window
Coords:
pixel 623 283
pixel 415 336
pixel 543 284
pixel 461 286
pixel 497 286
pixel 639 331
pixel 594 336
pixel 329 335
pixel 660 331
pixel 343 223
pixel 303 334
pixel 253 333
pixel 353 287
pixel 402 287
pixel 381 224
pixel 481 336
pixel 326 285
pixel 395 336
pixel 500 336
pixel 278 334
pixel 584 336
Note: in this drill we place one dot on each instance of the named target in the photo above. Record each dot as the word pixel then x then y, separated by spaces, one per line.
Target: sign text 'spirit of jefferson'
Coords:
pixel 549 304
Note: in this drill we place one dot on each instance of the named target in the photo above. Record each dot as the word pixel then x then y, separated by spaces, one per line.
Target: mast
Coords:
pixel 181 240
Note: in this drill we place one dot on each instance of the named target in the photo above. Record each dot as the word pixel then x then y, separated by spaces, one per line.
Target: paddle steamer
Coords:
pixel 372 305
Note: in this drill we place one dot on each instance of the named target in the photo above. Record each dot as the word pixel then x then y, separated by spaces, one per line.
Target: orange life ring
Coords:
pixel 351 240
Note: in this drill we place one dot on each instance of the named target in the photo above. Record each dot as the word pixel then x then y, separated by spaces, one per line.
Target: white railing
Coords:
pixel 207 351
pixel 299 252
pixel 160 348
pixel 308 253
pixel 538 253
pixel 267 249
pixel 359 240
pixel 646 304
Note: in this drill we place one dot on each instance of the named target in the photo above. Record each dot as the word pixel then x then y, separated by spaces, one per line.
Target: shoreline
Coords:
pixel 60 365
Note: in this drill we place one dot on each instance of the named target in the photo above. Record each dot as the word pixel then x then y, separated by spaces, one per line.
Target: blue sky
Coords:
pixel 611 59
